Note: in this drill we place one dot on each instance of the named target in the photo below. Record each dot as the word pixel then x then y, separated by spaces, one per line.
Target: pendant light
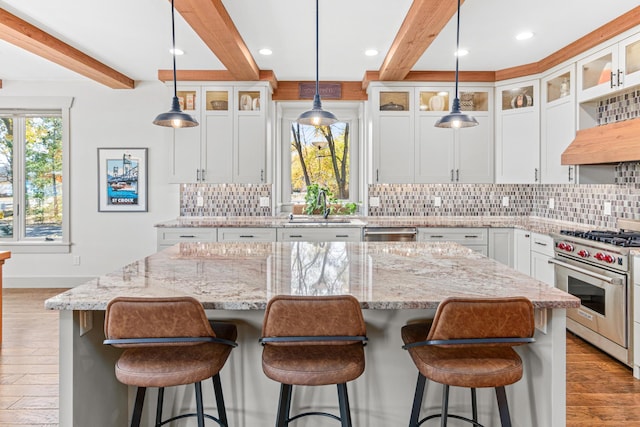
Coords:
pixel 317 116
pixel 175 117
pixel 456 118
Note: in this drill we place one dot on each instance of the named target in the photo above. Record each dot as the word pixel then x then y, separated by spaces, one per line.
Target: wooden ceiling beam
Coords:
pixel 212 76
pixel 28 37
pixel 423 23
pixel 211 21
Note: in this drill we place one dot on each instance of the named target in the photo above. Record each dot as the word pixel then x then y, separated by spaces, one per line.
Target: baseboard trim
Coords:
pixel 45 282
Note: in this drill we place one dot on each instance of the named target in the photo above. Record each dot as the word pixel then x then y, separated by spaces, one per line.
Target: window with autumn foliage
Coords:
pixel 31 176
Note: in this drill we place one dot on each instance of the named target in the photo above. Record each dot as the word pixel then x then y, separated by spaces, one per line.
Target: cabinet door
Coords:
pixel 435 152
pixel 218 148
pixel 597 74
pixel 558 130
pixel 522 251
pixel 249 150
pixel 474 153
pixel 395 153
pixel 329 234
pixel 518 147
pixel 630 60
pixel 235 234
pixel 501 245
pixel 541 269
pixel 184 145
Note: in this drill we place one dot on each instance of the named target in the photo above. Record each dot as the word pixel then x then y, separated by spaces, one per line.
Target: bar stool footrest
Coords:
pixel 458 417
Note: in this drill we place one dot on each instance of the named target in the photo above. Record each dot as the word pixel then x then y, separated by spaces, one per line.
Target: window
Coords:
pixel 326 155
pixel 33 196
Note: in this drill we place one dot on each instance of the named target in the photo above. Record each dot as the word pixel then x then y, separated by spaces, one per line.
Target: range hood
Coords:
pixel 612 143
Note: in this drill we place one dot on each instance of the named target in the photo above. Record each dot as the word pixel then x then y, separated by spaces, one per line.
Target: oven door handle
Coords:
pixel 610 280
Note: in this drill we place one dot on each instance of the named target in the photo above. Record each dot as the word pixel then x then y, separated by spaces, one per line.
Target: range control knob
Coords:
pixel 605 257
pixel 599 256
pixel 583 253
pixel 565 247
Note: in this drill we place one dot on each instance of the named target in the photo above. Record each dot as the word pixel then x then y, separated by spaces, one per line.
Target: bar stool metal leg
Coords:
pixel 284 405
pixel 343 399
pixel 474 405
pixel 200 410
pixel 159 406
pixel 417 401
pixel 137 409
pixel 222 411
pixel 503 407
pixel 445 405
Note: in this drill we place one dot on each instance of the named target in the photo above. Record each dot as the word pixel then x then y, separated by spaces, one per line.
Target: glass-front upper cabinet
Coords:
pixel 249 100
pixel 611 69
pixel 473 100
pixel 217 99
pixel 395 101
pixel 188 98
pixel 558 87
pixel 437 100
pixel 518 97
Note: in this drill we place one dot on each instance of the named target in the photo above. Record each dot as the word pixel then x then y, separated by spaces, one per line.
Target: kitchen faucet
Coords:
pixel 325 209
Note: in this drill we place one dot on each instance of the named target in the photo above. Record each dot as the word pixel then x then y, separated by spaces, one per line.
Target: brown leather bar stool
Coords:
pixel 168 342
pixel 313 341
pixel 469 343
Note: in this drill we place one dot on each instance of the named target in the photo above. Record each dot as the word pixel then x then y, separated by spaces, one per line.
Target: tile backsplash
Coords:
pixel 619 107
pixel 579 203
pixel 224 199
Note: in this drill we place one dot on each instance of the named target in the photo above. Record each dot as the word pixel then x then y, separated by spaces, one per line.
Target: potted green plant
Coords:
pixel 312 207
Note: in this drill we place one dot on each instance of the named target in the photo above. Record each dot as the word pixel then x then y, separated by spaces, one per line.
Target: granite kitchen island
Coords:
pixel 394 282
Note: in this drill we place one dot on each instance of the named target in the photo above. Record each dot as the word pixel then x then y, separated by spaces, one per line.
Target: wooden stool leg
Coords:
pixel 137 409
pixel 345 412
pixel 474 405
pixel 417 401
pixel 159 406
pixel 503 407
pixel 445 405
pixel 199 408
pixel 222 411
pixel 284 405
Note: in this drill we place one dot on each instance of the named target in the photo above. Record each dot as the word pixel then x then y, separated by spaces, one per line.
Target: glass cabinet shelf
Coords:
pixel 249 101
pixel 517 98
pixel 394 101
pixel 217 100
pixel 597 71
pixel 474 101
pixel 559 87
pixel 434 101
pixel 187 99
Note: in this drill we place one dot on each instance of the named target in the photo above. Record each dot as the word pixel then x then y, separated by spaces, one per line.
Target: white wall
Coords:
pixel 104 241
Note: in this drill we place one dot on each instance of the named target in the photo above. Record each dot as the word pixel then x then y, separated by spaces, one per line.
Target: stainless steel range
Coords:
pixel 595 266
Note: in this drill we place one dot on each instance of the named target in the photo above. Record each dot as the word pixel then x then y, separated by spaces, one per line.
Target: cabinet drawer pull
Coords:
pixel 611 80
pixel 342 235
pixel 471 236
pixel 297 236
pixel 246 236
pixel 434 236
pixel 620 81
pixel 187 236
pixel 540 243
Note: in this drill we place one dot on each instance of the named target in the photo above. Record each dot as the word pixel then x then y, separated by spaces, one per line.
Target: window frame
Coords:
pixel 44 105
pixel 288 112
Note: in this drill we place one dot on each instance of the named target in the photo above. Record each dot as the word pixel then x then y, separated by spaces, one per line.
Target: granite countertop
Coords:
pixel 382 275
pixel 535 224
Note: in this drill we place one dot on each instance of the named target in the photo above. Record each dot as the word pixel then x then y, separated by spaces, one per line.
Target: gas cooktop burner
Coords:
pixel 616 238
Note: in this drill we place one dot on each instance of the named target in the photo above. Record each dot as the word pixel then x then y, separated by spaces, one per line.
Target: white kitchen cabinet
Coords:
pixel 246 234
pixel 317 234
pixel 636 317
pixel 541 253
pixel 474 238
pixel 558 126
pixel 230 144
pixel 393 135
pixel 518 133
pixel 169 236
pixel 613 68
pixel 522 251
pixel 500 244
pixel 453 155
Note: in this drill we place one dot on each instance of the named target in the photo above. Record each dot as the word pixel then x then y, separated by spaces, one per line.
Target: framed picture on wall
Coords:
pixel 122 179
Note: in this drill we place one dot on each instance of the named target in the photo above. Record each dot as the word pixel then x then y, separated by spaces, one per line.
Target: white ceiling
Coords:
pixel 133 36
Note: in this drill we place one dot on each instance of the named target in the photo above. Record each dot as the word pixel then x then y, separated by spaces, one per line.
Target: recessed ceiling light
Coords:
pixel 525 35
pixel 265 51
pixel 176 51
pixel 371 52
pixel 461 52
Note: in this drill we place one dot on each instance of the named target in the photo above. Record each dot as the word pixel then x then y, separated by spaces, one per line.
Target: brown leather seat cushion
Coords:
pixel 313 364
pixel 169 366
pixel 473 366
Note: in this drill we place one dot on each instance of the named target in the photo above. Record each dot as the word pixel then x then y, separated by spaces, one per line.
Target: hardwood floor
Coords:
pixel 600 391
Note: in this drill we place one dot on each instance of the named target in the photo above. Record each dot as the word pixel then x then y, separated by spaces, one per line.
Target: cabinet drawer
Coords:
pixel 463 236
pixel 332 234
pixel 542 243
pixel 171 236
pixel 246 234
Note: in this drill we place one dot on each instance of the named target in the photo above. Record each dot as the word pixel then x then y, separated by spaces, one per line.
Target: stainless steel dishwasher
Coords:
pixel 389 234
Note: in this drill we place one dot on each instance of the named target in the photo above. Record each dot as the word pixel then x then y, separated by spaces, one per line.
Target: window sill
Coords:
pixel 36 247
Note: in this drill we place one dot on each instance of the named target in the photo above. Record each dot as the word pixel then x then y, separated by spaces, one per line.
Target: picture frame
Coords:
pixel 122 179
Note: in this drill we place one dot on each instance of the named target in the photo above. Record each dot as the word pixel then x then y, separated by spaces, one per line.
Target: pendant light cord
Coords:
pixel 317 49
pixel 457 47
pixel 173 44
